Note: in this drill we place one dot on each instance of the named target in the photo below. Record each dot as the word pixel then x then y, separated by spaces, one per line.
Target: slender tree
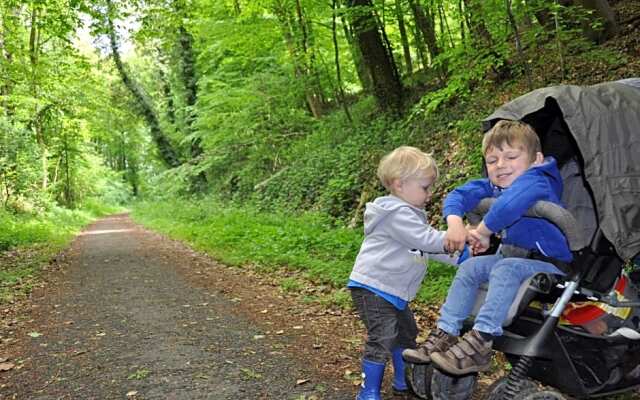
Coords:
pixel 167 153
pixel 190 81
pixel 387 88
pixel 336 56
pixel 363 73
pixel 518 43
pixel 477 27
pixel 425 22
pixel 406 49
pixel 295 30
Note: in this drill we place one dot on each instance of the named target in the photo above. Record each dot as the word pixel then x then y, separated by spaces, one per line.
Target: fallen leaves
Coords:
pixel 35 334
pixel 6 366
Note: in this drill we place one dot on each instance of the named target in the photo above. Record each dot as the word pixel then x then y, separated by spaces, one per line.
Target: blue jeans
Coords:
pixel 387 327
pixel 504 276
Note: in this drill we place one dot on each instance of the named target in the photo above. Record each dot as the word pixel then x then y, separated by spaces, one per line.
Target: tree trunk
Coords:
pixel 406 50
pixel 445 25
pixel 307 44
pixel 168 97
pixel 190 80
pixel 167 153
pixel 296 38
pixel 34 50
pixel 356 55
pixel 516 34
pixel 421 48
pixel 68 189
pixel 387 88
pixel 425 22
pixel 463 35
pixel 336 54
pixel 601 11
pixel 475 20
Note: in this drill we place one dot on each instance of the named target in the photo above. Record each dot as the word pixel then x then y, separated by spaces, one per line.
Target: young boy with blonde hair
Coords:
pixel 392 263
pixel 518 176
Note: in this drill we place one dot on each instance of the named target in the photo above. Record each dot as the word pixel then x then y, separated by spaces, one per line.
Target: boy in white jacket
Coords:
pixel 391 264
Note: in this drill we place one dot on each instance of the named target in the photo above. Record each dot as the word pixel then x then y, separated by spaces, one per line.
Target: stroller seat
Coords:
pixel 532 288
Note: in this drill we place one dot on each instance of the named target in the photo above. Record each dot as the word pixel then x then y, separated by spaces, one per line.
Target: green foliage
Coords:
pixel 70 133
pixel 19 157
pixel 54 226
pixel 436 283
pixel 139 374
pixel 240 235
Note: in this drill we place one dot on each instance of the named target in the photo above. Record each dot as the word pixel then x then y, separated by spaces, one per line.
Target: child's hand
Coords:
pixel 479 242
pixel 456 236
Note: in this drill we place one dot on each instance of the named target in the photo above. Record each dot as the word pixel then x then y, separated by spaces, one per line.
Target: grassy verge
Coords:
pixel 308 244
pixel 28 241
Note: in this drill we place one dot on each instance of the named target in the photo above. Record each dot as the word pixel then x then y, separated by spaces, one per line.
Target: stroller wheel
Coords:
pixel 496 389
pixel 418 377
pixel 529 390
pixel 543 394
pixel 447 387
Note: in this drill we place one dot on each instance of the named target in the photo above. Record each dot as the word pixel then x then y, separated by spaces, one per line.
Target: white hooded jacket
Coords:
pixel 394 253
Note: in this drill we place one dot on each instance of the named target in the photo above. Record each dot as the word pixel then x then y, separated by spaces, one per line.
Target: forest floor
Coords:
pixel 129 314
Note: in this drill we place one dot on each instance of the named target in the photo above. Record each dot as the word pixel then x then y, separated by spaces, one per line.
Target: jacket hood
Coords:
pixel 550 169
pixel 378 210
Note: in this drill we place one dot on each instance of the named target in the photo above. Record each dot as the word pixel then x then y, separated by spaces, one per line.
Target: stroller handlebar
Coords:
pixel 557 215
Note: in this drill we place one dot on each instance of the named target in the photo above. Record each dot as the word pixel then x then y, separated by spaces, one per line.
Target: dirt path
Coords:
pixel 131 314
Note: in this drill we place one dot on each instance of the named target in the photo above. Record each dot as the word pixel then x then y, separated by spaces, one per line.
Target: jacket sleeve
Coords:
pixel 407 228
pixel 466 197
pixel 516 200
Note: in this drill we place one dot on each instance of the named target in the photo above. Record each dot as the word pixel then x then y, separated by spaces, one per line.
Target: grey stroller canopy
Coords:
pixel 603 126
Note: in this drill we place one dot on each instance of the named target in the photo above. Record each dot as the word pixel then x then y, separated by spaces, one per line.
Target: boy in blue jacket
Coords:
pixel 518 176
pixel 392 263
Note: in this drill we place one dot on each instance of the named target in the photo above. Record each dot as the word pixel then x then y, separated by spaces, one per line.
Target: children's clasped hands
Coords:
pixel 458 235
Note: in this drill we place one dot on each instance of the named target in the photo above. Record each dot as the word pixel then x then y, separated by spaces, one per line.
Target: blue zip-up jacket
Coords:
pixel 506 216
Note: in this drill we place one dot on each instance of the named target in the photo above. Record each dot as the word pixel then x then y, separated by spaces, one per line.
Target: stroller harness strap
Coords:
pixel 557 215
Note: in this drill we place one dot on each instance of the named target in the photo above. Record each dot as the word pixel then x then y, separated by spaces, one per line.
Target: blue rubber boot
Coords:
pixel 372 373
pixel 399 384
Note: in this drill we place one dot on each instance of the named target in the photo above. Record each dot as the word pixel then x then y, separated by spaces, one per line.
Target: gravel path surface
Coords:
pixel 124 321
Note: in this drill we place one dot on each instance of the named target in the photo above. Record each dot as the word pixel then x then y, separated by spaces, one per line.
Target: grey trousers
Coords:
pixel 387 327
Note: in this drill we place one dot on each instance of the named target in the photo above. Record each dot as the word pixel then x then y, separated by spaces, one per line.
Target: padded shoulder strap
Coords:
pixel 557 215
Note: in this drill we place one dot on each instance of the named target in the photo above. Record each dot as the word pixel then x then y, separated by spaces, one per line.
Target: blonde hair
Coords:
pixel 512 133
pixel 406 162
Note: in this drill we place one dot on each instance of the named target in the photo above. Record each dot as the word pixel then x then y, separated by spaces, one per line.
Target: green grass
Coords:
pixel 309 244
pixel 29 240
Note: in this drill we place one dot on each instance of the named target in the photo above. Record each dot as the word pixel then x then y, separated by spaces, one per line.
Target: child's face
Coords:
pixel 415 191
pixel 506 163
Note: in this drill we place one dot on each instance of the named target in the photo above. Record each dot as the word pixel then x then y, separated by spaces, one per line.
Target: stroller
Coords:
pixel 577 334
